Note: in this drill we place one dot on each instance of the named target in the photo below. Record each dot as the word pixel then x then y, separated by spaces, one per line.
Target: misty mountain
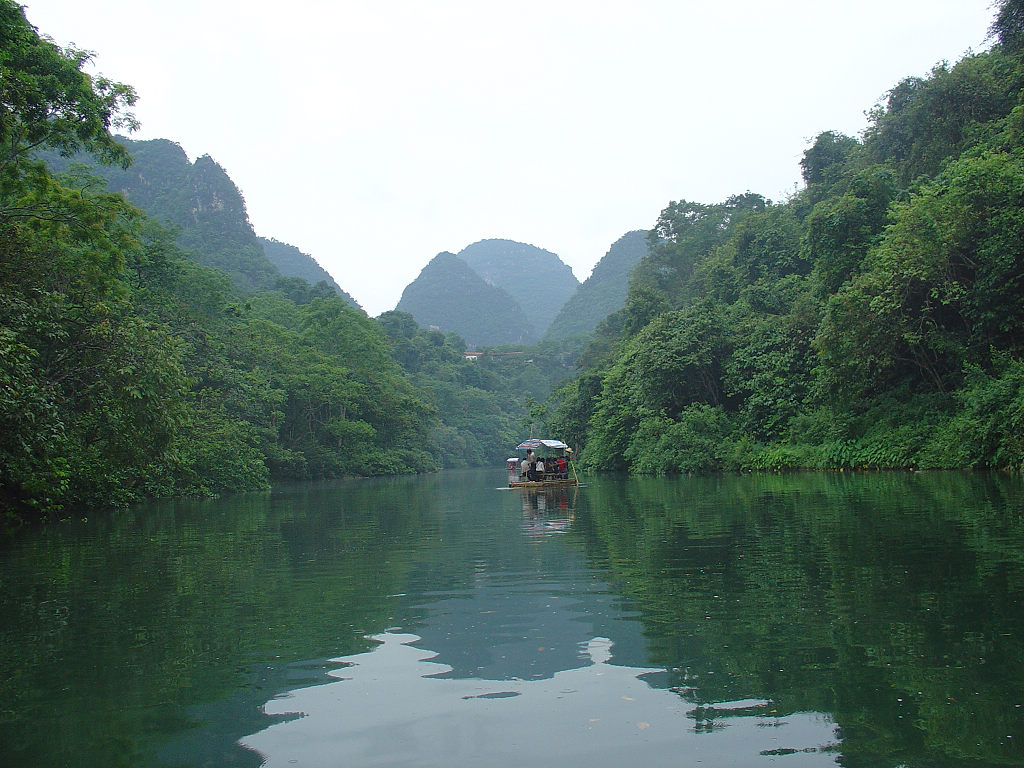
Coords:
pixel 206 207
pixel 294 263
pixel 538 280
pixel 604 291
pixel 450 295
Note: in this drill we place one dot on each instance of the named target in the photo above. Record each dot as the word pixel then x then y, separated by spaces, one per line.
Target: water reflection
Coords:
pixel 174 634
pixel 396 705
pixel 547 510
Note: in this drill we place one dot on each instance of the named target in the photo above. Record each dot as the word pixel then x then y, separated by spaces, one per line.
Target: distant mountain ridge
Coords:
pixel 518 293
pixel 537 279
pixel 604 291
pixel 508 292
pixel 450 295
pixel 208 210
pixel 295 263
pixel 493 292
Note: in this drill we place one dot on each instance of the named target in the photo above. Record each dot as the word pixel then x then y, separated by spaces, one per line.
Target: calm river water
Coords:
pixel 783 620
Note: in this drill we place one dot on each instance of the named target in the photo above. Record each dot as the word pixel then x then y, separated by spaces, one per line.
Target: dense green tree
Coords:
pixel 572 404
pixel 826 159
pixel 870 320
pixel 105 387
pixel 927 121
pixel 678 358
pixel 1008 26
pixel 841 228
pixel 93 393
pixel 684 233
pixel 603 292
pixel 127 369
pixel 769 372
pixel 767 245
pixel 47 101
pixel 943 287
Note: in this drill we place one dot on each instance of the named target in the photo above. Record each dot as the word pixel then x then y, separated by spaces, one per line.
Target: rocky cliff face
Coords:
pixel 208 210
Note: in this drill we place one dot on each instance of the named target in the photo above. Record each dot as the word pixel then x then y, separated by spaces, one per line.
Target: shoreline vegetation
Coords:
pixel 874 319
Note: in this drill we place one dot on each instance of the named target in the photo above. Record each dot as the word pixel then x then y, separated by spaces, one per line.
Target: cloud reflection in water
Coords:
pixel 388 707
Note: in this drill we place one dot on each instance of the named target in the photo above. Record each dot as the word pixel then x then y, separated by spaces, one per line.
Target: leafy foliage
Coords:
pixel 483 404
pixel 293 263
pixel 604 292
pixel 127 369
pixel 47 101
pixel 871 320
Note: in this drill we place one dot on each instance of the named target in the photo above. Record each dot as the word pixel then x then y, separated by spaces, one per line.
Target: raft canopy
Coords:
pixel 534 442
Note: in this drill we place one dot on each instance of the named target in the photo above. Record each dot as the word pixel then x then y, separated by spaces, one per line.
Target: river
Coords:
pixel 755 620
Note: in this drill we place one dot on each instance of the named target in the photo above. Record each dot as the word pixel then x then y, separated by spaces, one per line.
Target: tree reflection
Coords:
pixel 886 599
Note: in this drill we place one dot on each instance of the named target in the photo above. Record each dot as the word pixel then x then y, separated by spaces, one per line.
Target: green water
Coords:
pixel 799 620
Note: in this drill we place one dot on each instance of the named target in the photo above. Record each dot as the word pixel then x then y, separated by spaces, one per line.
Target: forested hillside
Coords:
pixel 604 292
pixel 292 262
pixel 127 368
pixel 205 208
pixel 199 200
pixel 483 404
pixel 537 279
pixel 452 297
pixel 875 319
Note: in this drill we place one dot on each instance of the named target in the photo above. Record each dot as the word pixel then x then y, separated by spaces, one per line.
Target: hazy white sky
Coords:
pixel 375 134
